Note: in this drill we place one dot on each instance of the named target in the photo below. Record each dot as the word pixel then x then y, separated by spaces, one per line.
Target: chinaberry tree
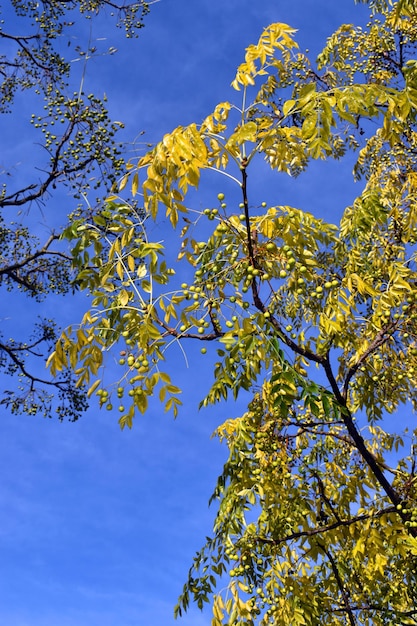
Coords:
pixel 74 152
pixel 313 322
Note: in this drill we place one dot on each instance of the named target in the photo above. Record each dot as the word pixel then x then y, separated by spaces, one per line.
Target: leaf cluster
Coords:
pixel 314 323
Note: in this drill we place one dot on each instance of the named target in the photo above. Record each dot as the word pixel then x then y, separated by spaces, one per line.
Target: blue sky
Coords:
pixel 100 526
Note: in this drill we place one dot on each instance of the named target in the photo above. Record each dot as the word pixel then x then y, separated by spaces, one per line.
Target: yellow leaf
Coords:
pixel 135 184
pixel 93 388
pixel 288 106
pixel 120 270
pixel 123 182
pixel 123 297
pixel 131 263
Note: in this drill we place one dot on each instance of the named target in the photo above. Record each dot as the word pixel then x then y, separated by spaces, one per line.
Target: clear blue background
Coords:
pixel 98 527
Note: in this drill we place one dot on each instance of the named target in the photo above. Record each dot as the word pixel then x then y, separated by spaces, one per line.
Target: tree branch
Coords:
pixel 323 529
pixel 380 338
pixel 339 582
pixel 21 42
pixel 34 192
pixel 41 252
pixel 21 366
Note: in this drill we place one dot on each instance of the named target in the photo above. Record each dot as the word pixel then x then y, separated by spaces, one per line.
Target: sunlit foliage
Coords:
pixel 315 322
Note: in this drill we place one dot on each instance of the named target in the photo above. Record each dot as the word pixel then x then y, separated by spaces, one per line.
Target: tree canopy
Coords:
pixel 76 151
pixel 313 322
